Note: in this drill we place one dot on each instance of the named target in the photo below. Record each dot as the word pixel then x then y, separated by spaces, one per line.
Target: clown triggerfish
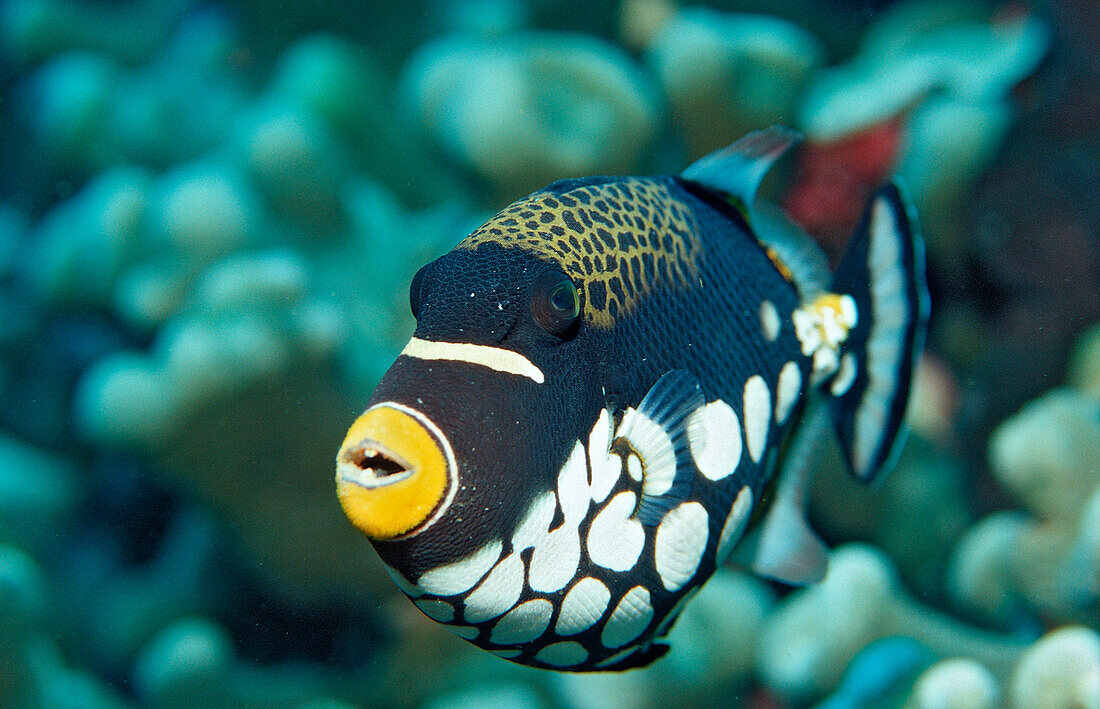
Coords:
pixel 605 382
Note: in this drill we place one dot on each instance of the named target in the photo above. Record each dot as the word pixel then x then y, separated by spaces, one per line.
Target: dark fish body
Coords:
pixel 595 396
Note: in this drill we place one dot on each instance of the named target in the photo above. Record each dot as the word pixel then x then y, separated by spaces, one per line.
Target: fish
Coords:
pixel 613 383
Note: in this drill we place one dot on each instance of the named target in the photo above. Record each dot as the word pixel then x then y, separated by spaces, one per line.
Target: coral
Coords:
pixel 913 48
pixel 932 77
pixel 32 29
pixel 725 73
pixel 348 93
pixel 880 672
pixel 221 262
pixel 1061 671
pixel 915 515
pixel 529 108
pixel 1049 453
pixel 37 491
pixel 208 222
pixel 253 346
pixel 806 644
pixel 1047 561
pixel 1084 366
pixel 90 110
pixel 956 684
pixel 640 20
pixel 503 695
pixel 33 672
pixel 192 663
pixel 124 604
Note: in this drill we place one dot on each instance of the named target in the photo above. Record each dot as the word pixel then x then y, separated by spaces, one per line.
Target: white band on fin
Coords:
pixel 496 358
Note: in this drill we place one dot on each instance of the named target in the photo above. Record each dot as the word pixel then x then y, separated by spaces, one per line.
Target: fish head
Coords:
pixel 478 413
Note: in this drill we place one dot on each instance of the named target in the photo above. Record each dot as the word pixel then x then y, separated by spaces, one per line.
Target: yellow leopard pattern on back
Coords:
pixel 619 239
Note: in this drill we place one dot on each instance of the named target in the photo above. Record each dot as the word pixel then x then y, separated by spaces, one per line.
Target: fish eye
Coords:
pixel 414 291
pixel 556 303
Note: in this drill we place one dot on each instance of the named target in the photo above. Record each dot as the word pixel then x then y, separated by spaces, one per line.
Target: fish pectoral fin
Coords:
pixel 657 432
pixel 736 171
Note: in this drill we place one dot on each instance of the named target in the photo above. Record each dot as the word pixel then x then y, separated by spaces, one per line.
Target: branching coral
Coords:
pixel 812 637
pixel 1048 561
pixel 725 73
pixel 529 108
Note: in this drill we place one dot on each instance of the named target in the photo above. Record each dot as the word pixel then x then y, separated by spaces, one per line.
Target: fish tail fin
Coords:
pixel 882 271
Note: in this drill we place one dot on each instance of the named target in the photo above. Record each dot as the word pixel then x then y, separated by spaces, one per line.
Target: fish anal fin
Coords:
pixel 787 550
pixel 783 546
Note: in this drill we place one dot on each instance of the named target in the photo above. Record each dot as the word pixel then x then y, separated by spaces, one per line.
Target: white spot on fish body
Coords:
pixel 822 327
pixel 806 330
pixel 654 446
pixel 573 490
pixel 714 436
pixel 460 576
pixel 582 606
pixel 536 522
pixel 786 391
pixel 555 559
pixel 497 593
pixel 758 414
pixel 631 617
pixel 564 654
pixel 845 375
pixel 605 467
pixel 734 526
pixel 848 313
pixel 825 363
pixel 679 545
pixel 615 539
pixel 523 623
pixel 769 320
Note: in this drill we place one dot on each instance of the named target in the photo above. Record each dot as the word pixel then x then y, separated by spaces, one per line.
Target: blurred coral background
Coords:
pixel 209 217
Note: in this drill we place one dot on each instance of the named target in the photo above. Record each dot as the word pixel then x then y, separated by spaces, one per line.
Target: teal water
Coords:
pixel 209 217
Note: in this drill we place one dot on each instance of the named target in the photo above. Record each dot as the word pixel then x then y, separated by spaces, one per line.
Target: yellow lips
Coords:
pixel 394 471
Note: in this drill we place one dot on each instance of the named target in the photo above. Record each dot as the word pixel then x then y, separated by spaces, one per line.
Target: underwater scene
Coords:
pixel 210 217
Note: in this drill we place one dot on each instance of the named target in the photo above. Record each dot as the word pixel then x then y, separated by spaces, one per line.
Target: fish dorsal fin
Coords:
pixel 793 247
pixel 737 171
pixel 656 435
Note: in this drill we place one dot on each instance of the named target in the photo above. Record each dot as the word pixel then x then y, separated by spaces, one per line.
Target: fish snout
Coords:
pixel 395 472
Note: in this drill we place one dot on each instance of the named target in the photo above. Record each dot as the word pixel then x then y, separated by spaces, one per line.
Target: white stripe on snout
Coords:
pixel 501 360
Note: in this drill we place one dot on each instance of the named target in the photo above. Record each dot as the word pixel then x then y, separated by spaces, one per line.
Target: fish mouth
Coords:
pixel 395 472
pixel 370 464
